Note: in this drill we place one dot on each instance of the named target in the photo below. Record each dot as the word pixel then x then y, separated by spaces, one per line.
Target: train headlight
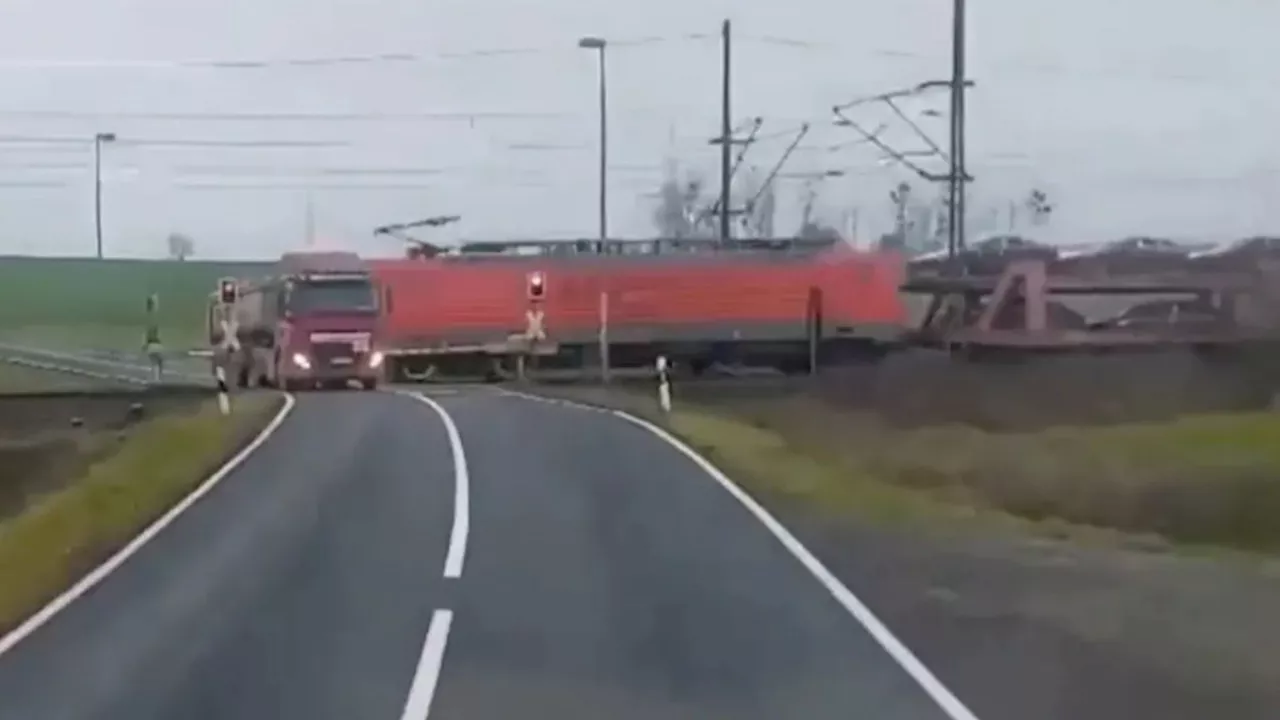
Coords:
pixel 375 359
pixel 302 361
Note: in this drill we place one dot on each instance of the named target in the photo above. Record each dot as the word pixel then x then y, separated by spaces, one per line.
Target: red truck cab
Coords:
pixel 327 331
pixel 313 323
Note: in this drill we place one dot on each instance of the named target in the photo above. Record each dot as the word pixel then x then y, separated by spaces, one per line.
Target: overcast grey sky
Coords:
pixel 1136 115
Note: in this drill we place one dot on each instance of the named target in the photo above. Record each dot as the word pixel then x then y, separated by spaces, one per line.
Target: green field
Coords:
pixel 82 303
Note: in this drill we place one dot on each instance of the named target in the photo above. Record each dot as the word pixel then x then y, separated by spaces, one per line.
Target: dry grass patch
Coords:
pixel 1211 479
pixel 58 538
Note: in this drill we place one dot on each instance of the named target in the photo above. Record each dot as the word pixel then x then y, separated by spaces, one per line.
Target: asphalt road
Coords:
pixel 571 565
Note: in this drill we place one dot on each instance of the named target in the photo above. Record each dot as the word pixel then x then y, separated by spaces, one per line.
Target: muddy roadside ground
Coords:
pixel 49 439
pixel 1023 626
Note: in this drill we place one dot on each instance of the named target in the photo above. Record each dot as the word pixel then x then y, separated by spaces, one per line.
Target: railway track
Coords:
pixel 116 374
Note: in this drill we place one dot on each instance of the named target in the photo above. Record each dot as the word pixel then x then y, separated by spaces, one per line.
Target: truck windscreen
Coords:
pixel 333 296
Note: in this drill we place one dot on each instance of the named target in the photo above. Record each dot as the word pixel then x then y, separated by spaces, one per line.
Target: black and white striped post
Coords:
pixel 224 400
pixel 664 383
pixel 230 348
pixel 228 296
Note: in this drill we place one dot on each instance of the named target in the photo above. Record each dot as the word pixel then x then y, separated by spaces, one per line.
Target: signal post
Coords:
pixel 228 296
pixel 535 318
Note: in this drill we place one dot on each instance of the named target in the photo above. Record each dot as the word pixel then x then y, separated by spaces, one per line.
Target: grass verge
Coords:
pixel 1201 480
pixel 51 544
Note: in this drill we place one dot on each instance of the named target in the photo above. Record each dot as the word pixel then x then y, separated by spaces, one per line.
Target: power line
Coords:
pixel 1125 70
pixel 456 116
pixel 324 61
pixel 7 184
pixel 543 147
pixel 317 171
pixel 284 171
pixel 172 142
pixel 299 186
pixel 45 166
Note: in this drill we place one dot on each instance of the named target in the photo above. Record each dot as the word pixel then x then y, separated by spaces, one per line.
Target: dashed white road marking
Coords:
pixel 457 553
pixel 427 676
pixel 897 651
pixel 100 573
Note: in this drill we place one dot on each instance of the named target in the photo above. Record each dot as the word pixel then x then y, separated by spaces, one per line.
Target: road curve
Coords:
pixel 609 576
pixel 572 565
pixel 300 587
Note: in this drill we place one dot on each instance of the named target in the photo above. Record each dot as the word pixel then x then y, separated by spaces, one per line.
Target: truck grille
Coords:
pixel 335 354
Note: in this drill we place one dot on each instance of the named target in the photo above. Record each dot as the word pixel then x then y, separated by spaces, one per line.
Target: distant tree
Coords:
pixel 696 209
pixel 683 210
pixel 180 246
pixel 903 224
pixel 1038 205
pixel 901 196
pixel 816 230
pixel 669 214
pixel 759 204
pixel 812 228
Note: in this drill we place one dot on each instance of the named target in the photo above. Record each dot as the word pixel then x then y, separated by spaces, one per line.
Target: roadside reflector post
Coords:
pixel 229 352
pixel 604 337
pixel 224 400
pixel 813 327
pixel 664 384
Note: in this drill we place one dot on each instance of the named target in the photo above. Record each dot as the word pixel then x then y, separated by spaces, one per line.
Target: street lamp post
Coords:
pixel 98 141
pixel 599 44
pixel 957 173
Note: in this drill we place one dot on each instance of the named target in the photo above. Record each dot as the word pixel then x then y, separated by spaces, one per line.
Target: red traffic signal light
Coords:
pixel 227 291
pixel 537 286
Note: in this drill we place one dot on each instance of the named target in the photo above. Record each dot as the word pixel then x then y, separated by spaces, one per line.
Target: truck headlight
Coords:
pixel 375 359
pixel 302 361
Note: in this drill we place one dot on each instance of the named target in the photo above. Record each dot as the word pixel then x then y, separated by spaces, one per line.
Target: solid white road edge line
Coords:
pixel 932 686
pixel 427 676
pixel 457 553
pixel 100 573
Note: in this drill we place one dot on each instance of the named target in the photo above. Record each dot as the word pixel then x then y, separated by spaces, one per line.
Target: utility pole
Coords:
pixel 98 141
pixel 599 44
pixel 726 131
pixel 957 176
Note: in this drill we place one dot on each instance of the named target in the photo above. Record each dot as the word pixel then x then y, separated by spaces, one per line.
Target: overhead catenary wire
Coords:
pixel 777 167
pixel 1126 70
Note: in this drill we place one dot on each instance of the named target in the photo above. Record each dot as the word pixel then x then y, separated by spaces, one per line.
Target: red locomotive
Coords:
pixel 783 304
